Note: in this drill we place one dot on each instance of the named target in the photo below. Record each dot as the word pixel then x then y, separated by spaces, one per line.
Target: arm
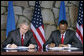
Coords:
pixel 76 42
pixel 50 40
pixel 32 42
pixel 8 40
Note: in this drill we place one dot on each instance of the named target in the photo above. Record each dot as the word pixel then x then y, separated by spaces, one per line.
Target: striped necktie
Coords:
pixel 22 40
pixel 62 39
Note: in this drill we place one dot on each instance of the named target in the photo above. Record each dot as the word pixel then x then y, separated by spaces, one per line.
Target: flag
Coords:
pixel 10 18
pixel 37 26
pixel 79 25
pixel 62 13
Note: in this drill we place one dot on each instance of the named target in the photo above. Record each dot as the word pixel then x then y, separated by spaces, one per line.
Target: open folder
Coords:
pixel 19 47
pixel 63 48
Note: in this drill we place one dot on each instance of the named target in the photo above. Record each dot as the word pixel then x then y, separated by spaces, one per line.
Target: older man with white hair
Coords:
pixel 20 37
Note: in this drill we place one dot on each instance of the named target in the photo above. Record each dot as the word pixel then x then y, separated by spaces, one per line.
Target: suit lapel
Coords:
pixel 26 38
pixel 66 38
pixel 59 37
pixel 18 37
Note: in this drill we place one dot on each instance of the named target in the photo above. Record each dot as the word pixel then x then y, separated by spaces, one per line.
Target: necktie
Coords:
pixel 62 39
pixel 22 40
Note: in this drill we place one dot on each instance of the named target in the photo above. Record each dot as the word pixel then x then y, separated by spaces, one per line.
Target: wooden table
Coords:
pixel 43 53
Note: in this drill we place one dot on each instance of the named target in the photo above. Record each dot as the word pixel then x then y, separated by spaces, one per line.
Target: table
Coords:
pixel 43 53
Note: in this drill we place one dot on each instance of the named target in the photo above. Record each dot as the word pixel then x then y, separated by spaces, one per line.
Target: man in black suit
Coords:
pixel 20 37
pixel 63 37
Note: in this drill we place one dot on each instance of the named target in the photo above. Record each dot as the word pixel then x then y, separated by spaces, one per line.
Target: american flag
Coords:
pixel 37 26
pixel 79 26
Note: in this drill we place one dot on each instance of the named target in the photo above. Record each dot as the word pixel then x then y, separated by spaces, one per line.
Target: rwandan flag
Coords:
pixel 10 18
pixel 62 12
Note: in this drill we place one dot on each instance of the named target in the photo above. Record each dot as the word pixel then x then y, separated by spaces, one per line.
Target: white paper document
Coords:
pixel 63 48
pixel 19 47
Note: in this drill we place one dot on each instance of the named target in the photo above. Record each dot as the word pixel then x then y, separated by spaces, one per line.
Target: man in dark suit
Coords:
pixel 20 37
pixel 63 37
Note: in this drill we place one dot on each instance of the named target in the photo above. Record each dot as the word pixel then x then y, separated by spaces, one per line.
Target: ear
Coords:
pixel 20 25
pixel 29 28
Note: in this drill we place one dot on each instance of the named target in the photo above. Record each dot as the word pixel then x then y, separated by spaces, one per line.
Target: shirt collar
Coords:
pixel 64 33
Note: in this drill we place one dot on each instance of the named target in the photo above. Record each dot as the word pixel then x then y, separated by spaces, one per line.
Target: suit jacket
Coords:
pixel 14 37
pixel 70 38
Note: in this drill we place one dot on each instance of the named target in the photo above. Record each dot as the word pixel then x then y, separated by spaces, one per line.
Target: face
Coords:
pixel 23 28
pixel 62 28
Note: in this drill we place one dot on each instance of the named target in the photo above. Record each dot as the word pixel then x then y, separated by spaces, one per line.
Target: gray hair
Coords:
pixel 26 22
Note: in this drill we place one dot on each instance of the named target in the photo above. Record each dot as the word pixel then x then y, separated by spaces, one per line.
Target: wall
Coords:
pixel 50 13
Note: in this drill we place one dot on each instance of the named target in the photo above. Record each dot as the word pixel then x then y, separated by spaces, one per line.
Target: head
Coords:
pixel 63 26
pixel 24 26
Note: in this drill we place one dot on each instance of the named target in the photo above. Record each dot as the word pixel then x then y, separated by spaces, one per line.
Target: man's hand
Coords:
pixel 12 46
pixel 62 45
pixel 31 50
pixel 31 46
pixel 51 45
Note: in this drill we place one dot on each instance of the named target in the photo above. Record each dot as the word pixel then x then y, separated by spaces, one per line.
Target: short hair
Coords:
pixel 26 22
pixel 63 22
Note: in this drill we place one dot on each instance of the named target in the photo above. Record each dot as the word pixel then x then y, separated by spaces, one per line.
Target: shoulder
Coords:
pixel 55 31
pixel 70 31
pixel 29 32
pixel 13 31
